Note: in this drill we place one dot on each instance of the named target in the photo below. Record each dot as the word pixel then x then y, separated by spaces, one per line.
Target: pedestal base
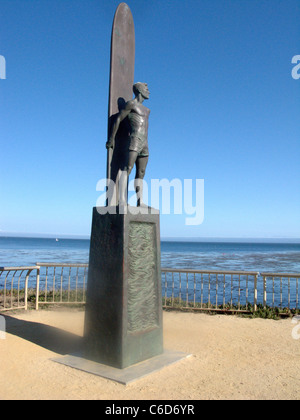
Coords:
pixel 123 322
pixel 127 375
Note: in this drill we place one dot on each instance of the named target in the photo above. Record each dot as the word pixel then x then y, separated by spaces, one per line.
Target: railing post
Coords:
pixel 37 288
pixel 26 290
pixel 265 291
pixel 255 293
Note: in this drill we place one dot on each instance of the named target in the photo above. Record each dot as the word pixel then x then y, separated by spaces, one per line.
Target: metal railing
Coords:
pixel 14 287
pixel 281 290
pixel 210 290
pixel 203 290
pixel 61 284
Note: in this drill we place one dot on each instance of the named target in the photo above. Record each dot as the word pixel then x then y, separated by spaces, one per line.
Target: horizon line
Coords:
pixel 164 238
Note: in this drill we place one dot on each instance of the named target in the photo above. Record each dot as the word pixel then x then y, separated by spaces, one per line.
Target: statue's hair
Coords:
pixel 136 87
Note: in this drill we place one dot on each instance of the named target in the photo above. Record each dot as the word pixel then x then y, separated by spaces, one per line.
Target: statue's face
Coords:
pixel 144 90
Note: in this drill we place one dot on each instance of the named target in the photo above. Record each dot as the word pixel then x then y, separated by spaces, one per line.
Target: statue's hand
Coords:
pixel 110 144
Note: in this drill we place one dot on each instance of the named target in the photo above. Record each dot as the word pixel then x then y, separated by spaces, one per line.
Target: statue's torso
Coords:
pixel 139 121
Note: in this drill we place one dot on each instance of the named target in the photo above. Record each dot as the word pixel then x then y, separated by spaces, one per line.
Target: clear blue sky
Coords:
pixel 224 108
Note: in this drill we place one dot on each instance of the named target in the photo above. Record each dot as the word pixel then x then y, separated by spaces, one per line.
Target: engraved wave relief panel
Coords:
pixel 142 277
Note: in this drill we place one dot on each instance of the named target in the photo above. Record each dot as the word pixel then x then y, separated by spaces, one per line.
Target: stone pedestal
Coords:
pixel 123 322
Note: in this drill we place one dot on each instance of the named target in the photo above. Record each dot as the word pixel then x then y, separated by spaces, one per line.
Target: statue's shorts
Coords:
pixel 140 146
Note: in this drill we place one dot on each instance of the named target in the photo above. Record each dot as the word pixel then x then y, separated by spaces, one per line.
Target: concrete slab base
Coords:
pixel 127 375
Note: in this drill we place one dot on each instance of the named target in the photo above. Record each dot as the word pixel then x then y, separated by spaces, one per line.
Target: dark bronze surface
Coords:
pixel 120 88
pixel 123 322
pixel 137 115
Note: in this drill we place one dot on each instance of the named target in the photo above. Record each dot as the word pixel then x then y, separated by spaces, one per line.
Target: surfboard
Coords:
pixel 122 60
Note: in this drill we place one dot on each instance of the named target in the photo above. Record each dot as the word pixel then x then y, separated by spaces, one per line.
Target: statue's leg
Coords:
pixel 112 194
pixel 133 156
pixel 124 178
pixel 141 164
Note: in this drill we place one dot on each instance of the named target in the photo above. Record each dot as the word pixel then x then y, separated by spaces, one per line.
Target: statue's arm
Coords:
pixel 121 116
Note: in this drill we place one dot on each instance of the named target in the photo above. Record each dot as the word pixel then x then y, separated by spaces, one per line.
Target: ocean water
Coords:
pixel 221 256
pixel 238 256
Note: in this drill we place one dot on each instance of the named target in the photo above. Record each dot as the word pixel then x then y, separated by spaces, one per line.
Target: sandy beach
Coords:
pixel 232 358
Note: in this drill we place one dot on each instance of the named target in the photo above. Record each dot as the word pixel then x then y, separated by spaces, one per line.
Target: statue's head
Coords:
pixel 141 88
